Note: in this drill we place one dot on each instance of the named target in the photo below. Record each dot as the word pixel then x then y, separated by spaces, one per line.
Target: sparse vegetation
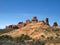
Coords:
pixel 57 34
pixel 42 36
pixel 21 38
pixel 50 38
pixel 17 39
pixel 5 37
pixel 37 42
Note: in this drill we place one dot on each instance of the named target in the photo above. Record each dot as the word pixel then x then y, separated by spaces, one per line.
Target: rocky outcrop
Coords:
pixel 47 21
pixel 55 24
pixel 15 27
pixel 42 22
pixel 20 24
pixel 9 27
pixel 12 27
pixel 28 21
pixel 34 20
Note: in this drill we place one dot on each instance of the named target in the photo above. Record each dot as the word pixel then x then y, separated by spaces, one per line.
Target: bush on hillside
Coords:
pixel 50 38
pixel 37 42
pixel 22 38
pixel 5 37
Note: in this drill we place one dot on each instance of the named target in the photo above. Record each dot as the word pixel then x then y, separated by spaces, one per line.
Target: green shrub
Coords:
pixel 17 39
pixel 5 37
pixel 50 38
pixel 22 38
pixel 37 42
pixel 42 36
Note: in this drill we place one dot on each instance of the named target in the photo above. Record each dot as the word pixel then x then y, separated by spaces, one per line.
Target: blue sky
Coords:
pixel 13 11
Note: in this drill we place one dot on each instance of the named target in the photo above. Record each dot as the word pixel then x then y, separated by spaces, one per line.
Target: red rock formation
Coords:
pixel 55 24
pixel 15 27
pixel 28 21
pixel 47 21
pixel 11 27
pixel 20 25
pixel 42 23
pixel 34 19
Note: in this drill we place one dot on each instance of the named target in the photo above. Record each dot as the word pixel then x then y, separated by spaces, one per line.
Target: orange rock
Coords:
pixel 42 22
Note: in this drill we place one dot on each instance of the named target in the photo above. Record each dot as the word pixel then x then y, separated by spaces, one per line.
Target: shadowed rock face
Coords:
pixel 11 27
pixel 20 24
pixel 15 27
pixel 42 23
pixel 47 21
pixel 28 21
pixel 55 24
pixel 34 19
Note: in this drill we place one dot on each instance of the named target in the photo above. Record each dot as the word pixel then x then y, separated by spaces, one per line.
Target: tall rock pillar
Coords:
pixel 47 21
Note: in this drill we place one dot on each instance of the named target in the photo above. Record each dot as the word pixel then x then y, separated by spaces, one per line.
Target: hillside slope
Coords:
pixel 35 30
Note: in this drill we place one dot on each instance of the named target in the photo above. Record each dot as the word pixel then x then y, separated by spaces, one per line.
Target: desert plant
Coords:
pixel 5 37
pixel 42 36
pixel 37 42
pixel 21 38
pixel 57 34
pixel 50 38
